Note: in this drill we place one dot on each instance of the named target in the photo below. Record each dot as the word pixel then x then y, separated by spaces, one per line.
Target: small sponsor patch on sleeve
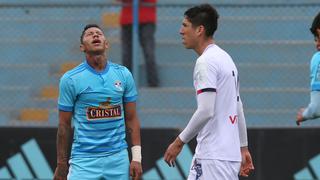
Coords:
pixel 206 90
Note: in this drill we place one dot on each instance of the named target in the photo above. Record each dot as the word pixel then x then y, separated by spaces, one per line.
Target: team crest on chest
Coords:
pixel 118 85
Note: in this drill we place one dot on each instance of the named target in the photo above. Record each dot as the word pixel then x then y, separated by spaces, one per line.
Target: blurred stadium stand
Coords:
pixel 269 41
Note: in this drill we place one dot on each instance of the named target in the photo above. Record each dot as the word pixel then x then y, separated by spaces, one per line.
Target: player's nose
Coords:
pixel 317 42
pixel 181 31
pixel 96 35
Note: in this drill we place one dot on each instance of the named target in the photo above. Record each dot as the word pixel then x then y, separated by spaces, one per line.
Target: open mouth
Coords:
pixel 96 41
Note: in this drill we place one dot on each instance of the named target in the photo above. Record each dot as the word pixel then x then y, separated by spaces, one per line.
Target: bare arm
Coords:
pixel 132 123
pixel 64 135
pixel 133 126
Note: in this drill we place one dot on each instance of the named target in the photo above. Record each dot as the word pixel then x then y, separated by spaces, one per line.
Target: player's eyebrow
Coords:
pixel 94 31
pixel 184 24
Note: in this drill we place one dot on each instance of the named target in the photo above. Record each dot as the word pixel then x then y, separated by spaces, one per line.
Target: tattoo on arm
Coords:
pixel 63 143
pixel 129 130
pixel 133 130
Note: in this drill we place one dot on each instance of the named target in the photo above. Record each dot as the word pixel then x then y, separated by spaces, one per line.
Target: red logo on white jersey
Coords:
pixel 233 119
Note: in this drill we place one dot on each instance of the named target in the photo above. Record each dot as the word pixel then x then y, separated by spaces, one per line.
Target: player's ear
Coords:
pixel 200 30
pixel 107 45
pixel 82 48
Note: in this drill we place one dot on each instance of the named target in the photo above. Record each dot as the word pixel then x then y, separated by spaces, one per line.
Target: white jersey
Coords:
pixel 219 138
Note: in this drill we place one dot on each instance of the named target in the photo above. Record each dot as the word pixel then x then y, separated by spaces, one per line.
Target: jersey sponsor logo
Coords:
pixel 118 85
pixel 233 119
pixel 105 110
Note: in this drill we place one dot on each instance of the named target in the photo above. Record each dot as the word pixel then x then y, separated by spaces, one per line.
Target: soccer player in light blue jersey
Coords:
pixel 313 109
pixel 99 98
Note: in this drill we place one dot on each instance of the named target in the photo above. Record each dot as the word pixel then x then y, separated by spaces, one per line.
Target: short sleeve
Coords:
pixel 130 93
pixel 205 77
pixel 66 94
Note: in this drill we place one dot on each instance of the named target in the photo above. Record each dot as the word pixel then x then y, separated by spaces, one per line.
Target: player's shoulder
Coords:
pixel 221 53
pixel 118 67
pixel 316 55
pixel 74 71
pixel 213 54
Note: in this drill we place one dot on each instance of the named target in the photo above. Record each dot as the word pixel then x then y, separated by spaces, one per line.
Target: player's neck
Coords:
pixel 203 45
pixel 97 62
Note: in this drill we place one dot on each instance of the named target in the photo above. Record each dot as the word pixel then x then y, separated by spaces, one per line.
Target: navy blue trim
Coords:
pixel 206 90
pixel 65 108
pixel 106 69
pixel 130 99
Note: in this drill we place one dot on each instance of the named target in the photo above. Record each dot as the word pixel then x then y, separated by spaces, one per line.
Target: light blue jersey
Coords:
pixel 315 72
pixel 96 100
pixel 313 109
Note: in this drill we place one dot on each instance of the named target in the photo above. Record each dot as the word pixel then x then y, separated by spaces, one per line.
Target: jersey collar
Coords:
pixel 106 69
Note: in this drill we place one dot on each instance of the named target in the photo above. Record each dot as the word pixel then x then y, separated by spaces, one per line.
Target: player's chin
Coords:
pixel 186 46
pixel 97 50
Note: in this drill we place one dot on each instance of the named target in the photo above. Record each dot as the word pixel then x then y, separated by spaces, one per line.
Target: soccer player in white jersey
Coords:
pixel 218 122
pixel 98 97
pixel 313 109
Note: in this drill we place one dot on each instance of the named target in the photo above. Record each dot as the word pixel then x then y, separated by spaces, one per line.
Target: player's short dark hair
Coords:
pixel 87 27
pixel 205 15
pixel 315 25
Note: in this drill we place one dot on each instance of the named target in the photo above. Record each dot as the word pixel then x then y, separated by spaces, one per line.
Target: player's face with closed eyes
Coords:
pixel 188 34
pixel 94 41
